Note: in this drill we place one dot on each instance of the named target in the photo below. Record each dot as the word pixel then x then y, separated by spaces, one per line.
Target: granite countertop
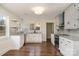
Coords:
pixel 23 33
pixel 61 34
pixel 18 33
pixel 67 36
pixel 34 33
pixel 74 38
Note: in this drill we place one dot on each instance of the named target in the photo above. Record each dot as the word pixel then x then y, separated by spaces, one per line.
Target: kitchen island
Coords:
pixel 18 40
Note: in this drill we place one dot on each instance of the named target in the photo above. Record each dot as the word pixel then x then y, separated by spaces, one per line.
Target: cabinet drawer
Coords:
pixel 69 42
pixel 61 39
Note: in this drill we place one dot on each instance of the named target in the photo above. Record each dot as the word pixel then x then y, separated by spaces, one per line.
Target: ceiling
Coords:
pixel 25 9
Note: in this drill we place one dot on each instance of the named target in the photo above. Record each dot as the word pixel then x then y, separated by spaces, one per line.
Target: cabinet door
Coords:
pixel 22 40
pixel 77 14
pixel 37 38
pixel 61 45
pixel 67 22
pixel 70 18
pixel 64 48
pixel 68 46
pixel 52 39
pixel 67 18
pixel 29 38
pixel 77 18
pixel 34 38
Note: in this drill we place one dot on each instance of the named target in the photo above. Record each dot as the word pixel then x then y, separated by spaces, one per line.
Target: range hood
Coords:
pixel 61 25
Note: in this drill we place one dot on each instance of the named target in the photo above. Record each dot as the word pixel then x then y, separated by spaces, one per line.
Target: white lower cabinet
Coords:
pixel 18 41
pixel 52 39
pixel 34 38
pixel 68 47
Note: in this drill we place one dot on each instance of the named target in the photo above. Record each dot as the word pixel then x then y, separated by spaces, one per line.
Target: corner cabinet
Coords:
pixel 71 17
pixel 68 46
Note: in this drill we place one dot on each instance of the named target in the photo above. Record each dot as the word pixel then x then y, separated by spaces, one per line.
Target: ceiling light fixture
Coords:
pixel 38 10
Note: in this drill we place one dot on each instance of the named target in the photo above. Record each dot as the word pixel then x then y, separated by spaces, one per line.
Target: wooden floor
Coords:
pixel 35 49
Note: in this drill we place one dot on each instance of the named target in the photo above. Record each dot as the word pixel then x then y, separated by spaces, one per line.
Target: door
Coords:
pixel 49 29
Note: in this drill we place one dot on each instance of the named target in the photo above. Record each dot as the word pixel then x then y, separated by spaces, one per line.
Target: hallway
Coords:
pixel 35 49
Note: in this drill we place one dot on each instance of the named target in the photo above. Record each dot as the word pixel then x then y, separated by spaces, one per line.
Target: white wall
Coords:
pixel 6 43
pixel 28 20
pixel 4 12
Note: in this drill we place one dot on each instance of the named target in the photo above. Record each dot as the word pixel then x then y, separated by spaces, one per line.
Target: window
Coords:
pixel 2 26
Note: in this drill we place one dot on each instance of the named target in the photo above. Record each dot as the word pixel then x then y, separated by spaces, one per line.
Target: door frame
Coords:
pixel 46 28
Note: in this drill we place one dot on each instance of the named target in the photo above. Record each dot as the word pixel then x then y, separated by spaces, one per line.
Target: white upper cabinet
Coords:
pixel 71 17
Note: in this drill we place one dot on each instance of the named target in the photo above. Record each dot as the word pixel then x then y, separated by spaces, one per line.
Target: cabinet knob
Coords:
pixel 65 44
pixel 67 22
pixel 68 41
pixel 74 24
pixel 74 5
pixel 61 42
pixel 78 19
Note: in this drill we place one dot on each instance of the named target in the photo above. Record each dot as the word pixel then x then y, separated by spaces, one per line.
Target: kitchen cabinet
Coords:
pixel 34 38
pixel 18 41
pixel 71 17
pixel 5 45
pixel 68 47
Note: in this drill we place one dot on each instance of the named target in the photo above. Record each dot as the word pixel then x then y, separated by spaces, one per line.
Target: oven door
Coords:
pixel 57 41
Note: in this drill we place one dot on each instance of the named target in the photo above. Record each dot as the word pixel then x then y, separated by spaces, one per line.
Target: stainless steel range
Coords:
pixel 57 39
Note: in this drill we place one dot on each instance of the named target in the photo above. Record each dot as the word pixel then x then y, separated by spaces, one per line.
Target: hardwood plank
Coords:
pixel 35 49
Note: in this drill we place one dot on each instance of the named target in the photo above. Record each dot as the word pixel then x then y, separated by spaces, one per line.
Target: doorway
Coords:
pixel 49 31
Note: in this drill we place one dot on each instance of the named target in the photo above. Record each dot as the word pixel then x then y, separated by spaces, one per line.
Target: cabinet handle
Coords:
pixel 69 41
pixel 77 18
pixel 74 24
pixel 68 23
pixel 61 42
pixel 74 5
pixel 65 44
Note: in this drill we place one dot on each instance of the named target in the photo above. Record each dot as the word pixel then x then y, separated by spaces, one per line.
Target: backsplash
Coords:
pixel 74 32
